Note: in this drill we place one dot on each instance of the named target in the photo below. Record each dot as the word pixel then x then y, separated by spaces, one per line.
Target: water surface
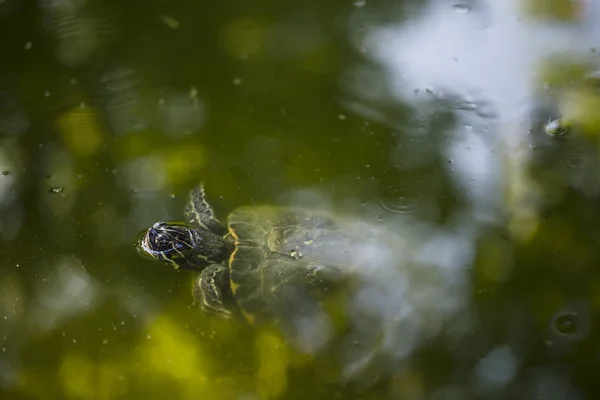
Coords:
pixel 463 134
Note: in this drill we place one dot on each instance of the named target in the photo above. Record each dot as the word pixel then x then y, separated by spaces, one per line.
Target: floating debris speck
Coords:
pixel 170 21
pixel 295 254
pixel 193 92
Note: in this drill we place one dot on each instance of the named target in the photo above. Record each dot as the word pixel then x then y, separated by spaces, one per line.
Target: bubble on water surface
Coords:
pixel 557 127
pixel 572 323
pixel 566 324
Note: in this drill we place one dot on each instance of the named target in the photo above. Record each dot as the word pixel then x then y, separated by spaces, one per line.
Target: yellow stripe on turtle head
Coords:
pixel 233 285
pixel 235 236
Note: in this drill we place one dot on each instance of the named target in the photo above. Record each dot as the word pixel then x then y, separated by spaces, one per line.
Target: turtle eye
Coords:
pixel 162 241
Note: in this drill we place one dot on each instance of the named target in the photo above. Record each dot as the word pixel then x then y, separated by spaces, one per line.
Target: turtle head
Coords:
pixel 183 247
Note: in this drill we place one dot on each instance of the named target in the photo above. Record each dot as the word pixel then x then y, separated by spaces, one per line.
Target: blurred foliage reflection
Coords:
pixel 471 140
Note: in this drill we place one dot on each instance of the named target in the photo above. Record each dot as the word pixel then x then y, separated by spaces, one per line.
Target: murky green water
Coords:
pixel 461 138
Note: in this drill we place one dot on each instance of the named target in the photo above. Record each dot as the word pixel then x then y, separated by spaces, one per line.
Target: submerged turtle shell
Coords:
pixel 283 256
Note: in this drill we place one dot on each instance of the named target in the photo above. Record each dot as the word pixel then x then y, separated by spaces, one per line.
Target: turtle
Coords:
pixel 267 263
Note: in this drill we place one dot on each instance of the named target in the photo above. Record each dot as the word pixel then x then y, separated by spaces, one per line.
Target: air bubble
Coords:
pixel 572 324
pixel 557 127
pixel 566 324
pixel 4 173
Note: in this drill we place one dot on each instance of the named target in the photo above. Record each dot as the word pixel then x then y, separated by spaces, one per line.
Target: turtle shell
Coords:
pixel 282 257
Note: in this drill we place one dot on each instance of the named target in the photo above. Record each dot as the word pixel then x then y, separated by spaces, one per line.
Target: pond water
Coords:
pixel 457 140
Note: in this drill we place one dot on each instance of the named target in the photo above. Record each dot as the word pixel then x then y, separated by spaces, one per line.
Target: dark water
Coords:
pixel 466 133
